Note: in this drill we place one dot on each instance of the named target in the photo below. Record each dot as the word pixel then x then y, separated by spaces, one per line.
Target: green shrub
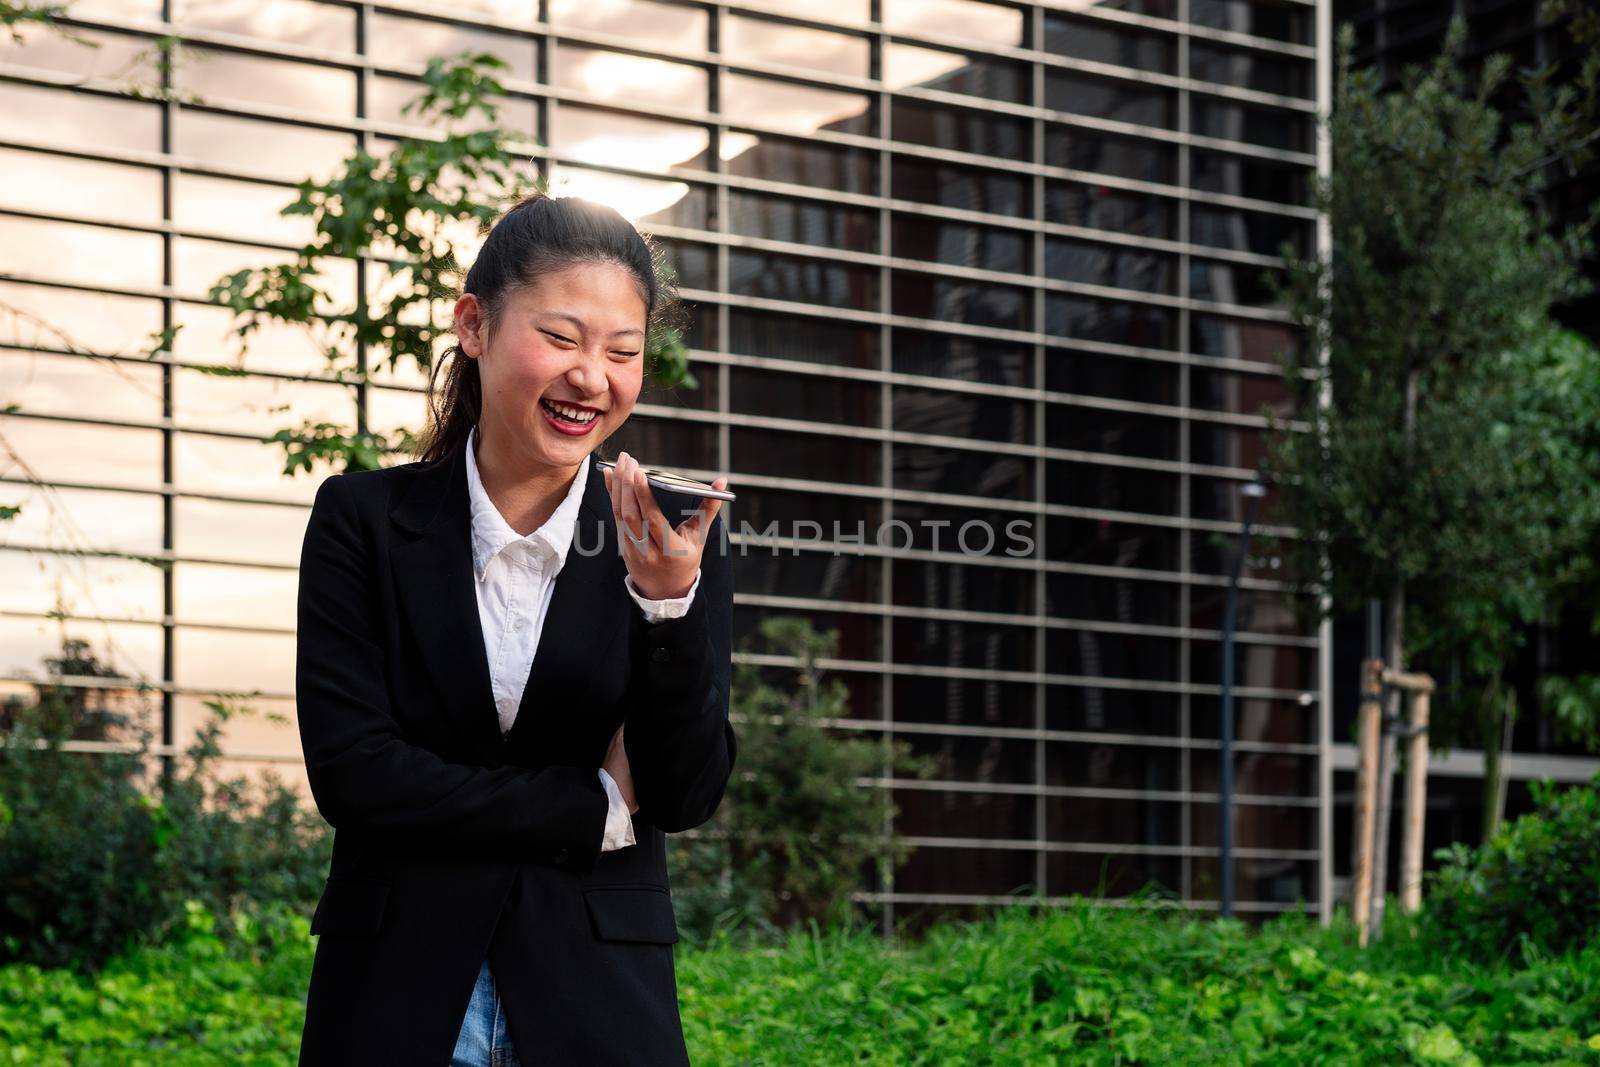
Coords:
pixel 1534 886
pixel 97 853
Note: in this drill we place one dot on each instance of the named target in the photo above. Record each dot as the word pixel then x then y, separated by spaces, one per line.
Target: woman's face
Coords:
pixel 564 364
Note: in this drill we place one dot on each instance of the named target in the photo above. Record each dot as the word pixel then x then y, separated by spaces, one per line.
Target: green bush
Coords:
pixel 1533 888
pixel 97 853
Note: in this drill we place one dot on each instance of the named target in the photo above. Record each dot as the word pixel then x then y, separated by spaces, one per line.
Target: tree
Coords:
pixel 1416 483
pixel 403 213
pixel 796 829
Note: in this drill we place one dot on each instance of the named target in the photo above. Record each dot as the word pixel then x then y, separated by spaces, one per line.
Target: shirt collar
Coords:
pixel 490 531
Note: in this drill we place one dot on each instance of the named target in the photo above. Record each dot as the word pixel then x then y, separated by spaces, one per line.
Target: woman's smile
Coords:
pixel 574 420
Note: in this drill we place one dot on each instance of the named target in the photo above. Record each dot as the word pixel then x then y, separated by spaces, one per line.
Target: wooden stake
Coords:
pixel 1371 717
pixel 1416 802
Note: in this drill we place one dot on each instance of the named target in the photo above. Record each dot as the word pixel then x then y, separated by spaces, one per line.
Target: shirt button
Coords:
pixel 520 622
pixel 660 655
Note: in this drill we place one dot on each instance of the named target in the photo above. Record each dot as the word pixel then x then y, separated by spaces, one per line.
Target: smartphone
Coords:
pixel 676 483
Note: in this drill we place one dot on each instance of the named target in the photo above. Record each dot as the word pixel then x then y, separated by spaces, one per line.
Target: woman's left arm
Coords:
pixel 679 741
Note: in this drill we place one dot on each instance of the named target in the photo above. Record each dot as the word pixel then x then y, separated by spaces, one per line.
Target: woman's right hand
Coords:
pixel 616 765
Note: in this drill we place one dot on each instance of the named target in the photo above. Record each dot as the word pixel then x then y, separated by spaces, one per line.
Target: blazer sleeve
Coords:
pixel 364 776
pixel 678 737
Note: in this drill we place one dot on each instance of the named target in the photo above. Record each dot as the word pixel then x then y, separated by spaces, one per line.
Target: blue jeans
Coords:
pixel 485 1039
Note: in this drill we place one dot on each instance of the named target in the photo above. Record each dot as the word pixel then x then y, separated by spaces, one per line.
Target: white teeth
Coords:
pixel 575 414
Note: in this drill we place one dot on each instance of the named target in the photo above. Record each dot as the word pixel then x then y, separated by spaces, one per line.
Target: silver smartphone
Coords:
pixel 676 483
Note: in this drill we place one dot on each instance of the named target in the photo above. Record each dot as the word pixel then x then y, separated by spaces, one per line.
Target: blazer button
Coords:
pixel 558 856
pixel 660 655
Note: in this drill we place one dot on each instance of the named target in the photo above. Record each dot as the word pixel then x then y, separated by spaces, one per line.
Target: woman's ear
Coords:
pixel 469 324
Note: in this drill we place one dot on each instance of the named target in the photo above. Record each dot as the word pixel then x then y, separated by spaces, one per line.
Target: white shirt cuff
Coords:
pixel 656 610
pixel 619 823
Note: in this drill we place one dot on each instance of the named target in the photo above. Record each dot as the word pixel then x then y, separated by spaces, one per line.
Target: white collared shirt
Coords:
pixel 515 581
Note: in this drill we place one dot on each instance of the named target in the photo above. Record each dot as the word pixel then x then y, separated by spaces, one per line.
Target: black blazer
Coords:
pixel 452 843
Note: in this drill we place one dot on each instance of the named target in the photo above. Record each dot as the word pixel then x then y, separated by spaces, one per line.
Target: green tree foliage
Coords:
pixel 1440 476
pixel 96 854
pixel 796 833
pixel 403 213
pixel 1534 886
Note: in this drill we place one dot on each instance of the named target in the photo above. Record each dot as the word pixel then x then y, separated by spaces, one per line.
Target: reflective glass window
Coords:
pixel 758 40
pixel 968 870
pixel 617 77
pixel 860 636
pixel 1119 266
pixel 273 149
pixel 1248 69
pixel 812 222
pixel 1124 157
pixel 646 201
pixel 391 95
pixel 1096 485
pixel 79 385
pixel 1099 543
pixel 230 466
pixel 958 300
pixel 1249 284
pixel 1259 179
pixel 790 514
pixel 911 67
pixel 87 52
pixel 809 163
pixel 799 337
pixel 84 452
pixel 970 188
pixel 781 395
pixel 1237 393
pixel 392 39
pixel 805 455
pixel 130 650
pixel 1115 820
pixel 926 583
pixel 238 209
pixel 1122 322
pixel 82 255
pixel 1272 127
pixel 961 129
pixel 668 442
pixel 1110 598
pixel 326 92
pixel 1263 18
pixel 45 117
pixel 231 661
pixel 604 138
pixel 694 264
pixel 802 279
pixel 226 402
pixel 326 26
pixel 923 812
pixel 1102 207
pixel 211 528
pixel 971 359
pixel 97 322
pixel 920 698
pixel 1246 339
pixel 1109 42
pixel 1248 231
pixel 962 414
pixel 671 28
pixel 929 468
pixel 1109 98
pixel 823 573
pixel 1137 657
pixel 982 536
pixel 981 646
pixel 790 107
pixel 1122 433
pixel 1119 377
pixel 234 596
pixel 56 517
pixel 959 244
pixel 39 181
pixel 962 20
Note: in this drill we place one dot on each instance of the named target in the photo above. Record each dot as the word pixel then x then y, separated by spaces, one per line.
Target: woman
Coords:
pixel 512 675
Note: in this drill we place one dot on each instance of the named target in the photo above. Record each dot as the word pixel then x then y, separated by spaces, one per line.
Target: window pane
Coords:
pixel 1123 378
pixel 1284 75
pixel 1123 433
pixel 962 415
pixel 845 12
pixel 600 137
pixel 120 57
pixel 211 528
pixel 37 181
pixel 275 149
pixel 1101 207
pixel 613 76
pixel 809 281
pixel 1248 231
pixel 808 163
pixel 1118 266
pixel 1112 544
pixel 977 646
pixel 805 455
pixel 1234 283
pixel 907 66
pixel 1272 127
pixel 1105 320
pixel 84 255
pixel 963 587
pixel 236 596
pixel 258 405
pixel 245 210
pixel 797 337
pixel 643 200
pixel 60 318
pixel 963 20
pixel 82 452
pixel 1125 157
pixel 231 467
pixel 128 649
pixel 390 95
pixel 820 574
pixel 1093 485
pixel 1247 339
pixel 216 75
pixel 227 661
pixel 812 222
pixel 79 385
pixel 1260 179
pixel 670 28
pixel 793 108
pixel 942 355
pixel 85 518
pixel 393 39
pixel 757 40
pixel 959 244
pixel 968 188
pixel 1270 18
pixel 294 21
pixel 1112 599
pixel 47 117
pixel 1105 98
pixel 961 129
pixel 777 394
pixel 955 300
pixel 1107 42
pixel 955 470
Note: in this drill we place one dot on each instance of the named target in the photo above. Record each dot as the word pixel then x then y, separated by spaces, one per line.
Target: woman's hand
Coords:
pixel 616 765
pixel 661 561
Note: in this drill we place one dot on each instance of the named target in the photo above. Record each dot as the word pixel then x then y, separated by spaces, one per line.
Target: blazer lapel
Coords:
pixel 586 611
pixel 435 583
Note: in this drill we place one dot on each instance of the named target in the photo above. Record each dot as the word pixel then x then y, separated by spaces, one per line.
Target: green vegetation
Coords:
pixel 1085 984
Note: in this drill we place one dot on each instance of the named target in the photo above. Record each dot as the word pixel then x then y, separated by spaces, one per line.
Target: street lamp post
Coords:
pixel 1253 492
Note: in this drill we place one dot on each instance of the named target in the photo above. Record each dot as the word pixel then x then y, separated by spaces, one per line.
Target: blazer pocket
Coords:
pixel 351 906
pixel 631 913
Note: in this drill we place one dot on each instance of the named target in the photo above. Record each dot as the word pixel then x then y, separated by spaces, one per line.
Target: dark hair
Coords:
pixel 536 235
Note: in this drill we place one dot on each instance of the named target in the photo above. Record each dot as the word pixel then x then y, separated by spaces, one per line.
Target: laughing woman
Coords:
pixel 512 678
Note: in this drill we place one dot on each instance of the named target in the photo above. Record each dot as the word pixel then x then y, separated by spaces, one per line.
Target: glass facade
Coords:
pixel 949 261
